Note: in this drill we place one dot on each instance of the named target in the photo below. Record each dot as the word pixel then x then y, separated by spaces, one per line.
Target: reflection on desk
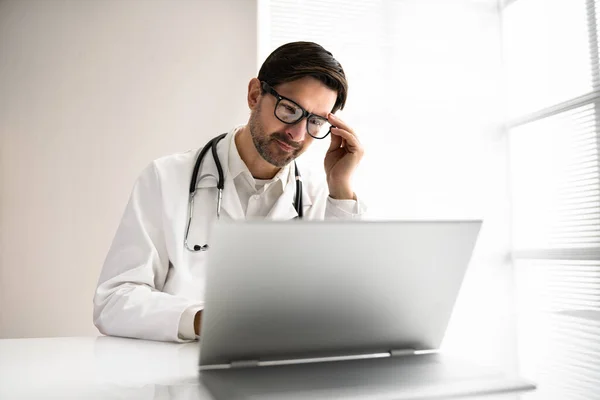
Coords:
pixel 99 368
pixel 117 368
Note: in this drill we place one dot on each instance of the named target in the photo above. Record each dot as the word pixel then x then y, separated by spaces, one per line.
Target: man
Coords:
pixel 152 282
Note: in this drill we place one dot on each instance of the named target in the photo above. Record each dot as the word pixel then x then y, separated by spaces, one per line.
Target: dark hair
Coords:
pixel 297 60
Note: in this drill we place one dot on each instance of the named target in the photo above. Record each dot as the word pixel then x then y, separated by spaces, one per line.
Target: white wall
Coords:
pixel 90 92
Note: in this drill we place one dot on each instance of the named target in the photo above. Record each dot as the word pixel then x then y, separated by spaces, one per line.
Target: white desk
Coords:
pixel 103 368
pixel 98 368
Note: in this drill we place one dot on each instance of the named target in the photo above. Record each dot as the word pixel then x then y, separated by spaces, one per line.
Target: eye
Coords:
pixel 290 108
pixel 317 121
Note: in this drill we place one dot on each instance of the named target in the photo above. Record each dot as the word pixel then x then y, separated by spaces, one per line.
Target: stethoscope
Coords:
pixel 212 145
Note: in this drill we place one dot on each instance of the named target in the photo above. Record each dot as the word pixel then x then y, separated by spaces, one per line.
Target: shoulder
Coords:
pixel 183 163
pixel 172 170
pixel 175 162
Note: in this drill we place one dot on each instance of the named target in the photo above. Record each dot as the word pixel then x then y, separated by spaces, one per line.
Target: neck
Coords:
pixel 258 167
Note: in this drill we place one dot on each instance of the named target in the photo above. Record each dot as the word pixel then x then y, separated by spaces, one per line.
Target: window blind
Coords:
pixel 556 185
pixel 553 92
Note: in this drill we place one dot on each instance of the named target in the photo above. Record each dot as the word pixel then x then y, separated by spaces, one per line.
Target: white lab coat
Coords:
pixel 149 279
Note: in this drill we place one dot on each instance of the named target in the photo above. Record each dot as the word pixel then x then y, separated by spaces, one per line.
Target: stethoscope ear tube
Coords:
pixel 221 181
pixel 212 144
pixel 189 222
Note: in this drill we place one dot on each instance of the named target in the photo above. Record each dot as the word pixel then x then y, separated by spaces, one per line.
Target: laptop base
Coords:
pixel 430 376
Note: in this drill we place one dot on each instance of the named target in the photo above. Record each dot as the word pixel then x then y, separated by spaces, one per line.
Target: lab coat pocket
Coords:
pixel 196 262
pixel 193 280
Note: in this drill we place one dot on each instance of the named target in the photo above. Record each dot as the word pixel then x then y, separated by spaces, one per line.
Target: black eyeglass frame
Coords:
pixel 305 114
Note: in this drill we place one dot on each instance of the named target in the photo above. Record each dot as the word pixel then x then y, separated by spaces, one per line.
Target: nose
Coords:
pixel 297 131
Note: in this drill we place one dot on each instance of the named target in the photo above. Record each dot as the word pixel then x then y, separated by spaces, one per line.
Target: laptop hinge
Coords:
pixel 256 363
pixel 244 363
pixel 402 352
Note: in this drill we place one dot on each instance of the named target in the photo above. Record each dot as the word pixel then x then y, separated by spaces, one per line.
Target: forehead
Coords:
pixel 310 93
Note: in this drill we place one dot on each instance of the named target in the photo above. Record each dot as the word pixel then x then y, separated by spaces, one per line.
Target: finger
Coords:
pixel 351 142
pixel 336 142
pixel 338 123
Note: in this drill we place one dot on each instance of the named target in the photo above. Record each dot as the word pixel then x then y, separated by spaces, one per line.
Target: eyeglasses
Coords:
pixel 289 112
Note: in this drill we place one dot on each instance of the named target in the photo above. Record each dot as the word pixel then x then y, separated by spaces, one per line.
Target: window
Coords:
pixel 424 95
pixel 426 98
pixel 553 92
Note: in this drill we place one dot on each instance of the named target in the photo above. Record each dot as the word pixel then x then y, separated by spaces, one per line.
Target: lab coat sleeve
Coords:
pixel 128 300
pixel 344 209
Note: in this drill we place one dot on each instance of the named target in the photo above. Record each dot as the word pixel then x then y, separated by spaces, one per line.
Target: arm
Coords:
pixel 129 300
pixel 342 158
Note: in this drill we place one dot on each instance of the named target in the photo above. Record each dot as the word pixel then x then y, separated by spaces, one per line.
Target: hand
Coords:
pixel 342 158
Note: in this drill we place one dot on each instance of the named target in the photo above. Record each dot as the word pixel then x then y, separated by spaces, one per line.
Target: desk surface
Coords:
pixel 100 368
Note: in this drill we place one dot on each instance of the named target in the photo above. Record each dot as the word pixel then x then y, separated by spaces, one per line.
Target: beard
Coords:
pixel 267 146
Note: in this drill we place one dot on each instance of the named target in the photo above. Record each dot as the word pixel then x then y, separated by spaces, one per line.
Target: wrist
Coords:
pixel 197 322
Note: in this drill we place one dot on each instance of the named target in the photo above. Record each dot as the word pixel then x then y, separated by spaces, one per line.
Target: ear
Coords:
pixel 254 93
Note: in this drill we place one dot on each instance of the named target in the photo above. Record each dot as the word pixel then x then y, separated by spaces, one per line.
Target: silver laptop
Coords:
pixel 287 299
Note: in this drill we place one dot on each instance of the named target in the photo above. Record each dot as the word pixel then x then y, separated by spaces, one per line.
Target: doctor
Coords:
pixel 152 282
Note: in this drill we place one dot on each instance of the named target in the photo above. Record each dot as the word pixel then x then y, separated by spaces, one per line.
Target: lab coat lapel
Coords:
pixel 284 206
pixel 231 201
pixel 306 200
